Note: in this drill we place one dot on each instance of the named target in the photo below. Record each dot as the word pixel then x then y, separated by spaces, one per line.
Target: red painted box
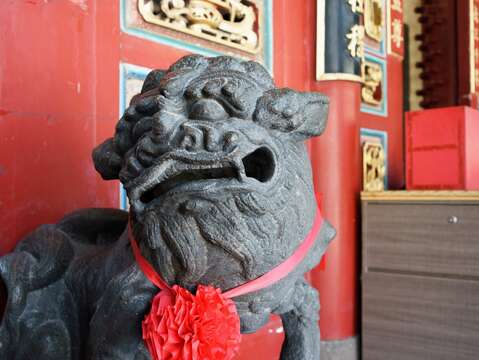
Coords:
pixel 442 149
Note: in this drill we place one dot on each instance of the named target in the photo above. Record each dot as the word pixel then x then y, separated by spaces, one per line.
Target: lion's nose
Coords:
pixel 198 137
pixel 207 110
pixel 202 136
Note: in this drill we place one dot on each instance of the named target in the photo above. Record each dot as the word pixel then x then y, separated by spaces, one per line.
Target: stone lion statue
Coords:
pixel 212 158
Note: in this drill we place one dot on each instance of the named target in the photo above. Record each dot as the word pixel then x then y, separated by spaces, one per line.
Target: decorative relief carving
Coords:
pixel 233 23
pixel 396 33
pixel 371 92
pixel 356 41
pixel 395 23
pixel 474 44
pixel 373 19
pixel 396 5
pixel 357 6
pixel 374 168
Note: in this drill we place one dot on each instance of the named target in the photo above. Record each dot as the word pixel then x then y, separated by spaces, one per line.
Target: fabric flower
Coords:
pixel 205 326
pixel 183 326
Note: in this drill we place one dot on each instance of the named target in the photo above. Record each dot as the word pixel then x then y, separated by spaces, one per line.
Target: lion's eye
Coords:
pixel 208 109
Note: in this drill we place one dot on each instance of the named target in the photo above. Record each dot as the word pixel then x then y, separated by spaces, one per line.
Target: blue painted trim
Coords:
pixel 123 197
pixel 373 51
pixel 268 35
pixel 197 49
pixel 383 110
pixel 383 137
pixel 127 71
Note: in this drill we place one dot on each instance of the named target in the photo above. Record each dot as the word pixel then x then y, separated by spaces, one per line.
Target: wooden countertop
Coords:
pixel 435 195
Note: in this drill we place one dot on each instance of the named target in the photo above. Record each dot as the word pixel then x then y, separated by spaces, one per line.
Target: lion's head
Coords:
pixel 211 155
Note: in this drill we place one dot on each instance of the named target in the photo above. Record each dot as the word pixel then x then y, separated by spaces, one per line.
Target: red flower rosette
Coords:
pixel 205 326
pixel 184 326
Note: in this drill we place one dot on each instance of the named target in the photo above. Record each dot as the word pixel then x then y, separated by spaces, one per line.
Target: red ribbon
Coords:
pixel 184 326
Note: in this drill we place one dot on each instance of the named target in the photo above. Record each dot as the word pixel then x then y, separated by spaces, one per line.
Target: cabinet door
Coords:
pixel 419 318
pixel 424 238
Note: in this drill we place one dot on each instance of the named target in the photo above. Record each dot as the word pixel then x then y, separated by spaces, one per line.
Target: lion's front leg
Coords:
pixel 115 327
pixel 302 340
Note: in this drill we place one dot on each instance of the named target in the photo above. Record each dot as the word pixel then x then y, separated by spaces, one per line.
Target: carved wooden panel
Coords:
pixel 474 44
pixel 374 167
pixel 371 91
pixel 396 28
pixel 448 45
pixel 374 99
pixel 438 47
pixel 232 23
pixel 241 28
pixel 379 138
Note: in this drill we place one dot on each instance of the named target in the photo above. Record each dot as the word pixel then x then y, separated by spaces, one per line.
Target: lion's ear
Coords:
pixel 107 160
pixel 152 80
pixel 299 114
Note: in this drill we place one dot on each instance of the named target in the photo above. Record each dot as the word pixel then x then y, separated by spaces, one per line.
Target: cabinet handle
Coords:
pixel 453 220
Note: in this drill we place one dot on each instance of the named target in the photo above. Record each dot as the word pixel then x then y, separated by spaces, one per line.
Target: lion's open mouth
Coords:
pixel 258 166
pixel 188 176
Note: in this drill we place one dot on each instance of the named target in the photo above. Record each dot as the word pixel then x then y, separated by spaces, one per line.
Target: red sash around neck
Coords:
pixel 183 326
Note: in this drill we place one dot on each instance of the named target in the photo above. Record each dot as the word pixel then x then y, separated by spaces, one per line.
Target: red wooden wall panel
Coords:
pixel 47 121
pixel 59 84
pixel 393 124
pixel 59 98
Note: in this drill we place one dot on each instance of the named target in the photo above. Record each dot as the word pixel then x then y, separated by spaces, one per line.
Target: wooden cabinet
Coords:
pixel 420 275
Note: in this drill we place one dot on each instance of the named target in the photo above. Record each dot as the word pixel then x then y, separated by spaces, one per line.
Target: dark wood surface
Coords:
pixel 438 46
pixel 420 278
pixel 419 318
pixel 421 238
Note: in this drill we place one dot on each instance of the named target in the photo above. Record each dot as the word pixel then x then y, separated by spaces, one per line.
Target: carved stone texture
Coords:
pixel 211 155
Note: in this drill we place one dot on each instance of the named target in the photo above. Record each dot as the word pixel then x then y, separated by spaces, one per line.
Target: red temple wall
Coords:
pixel 59 89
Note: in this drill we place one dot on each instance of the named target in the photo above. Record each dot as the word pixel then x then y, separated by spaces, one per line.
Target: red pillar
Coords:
pixel 337 172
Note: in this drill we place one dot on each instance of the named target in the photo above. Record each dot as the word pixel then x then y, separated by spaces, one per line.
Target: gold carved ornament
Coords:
pixel 371 91
pixel 356 41
pixel 227 22
pixel 396 5
pixel 357 6
pixel 373 19
pixel 396 33
pixel 474 39
pixel 374 168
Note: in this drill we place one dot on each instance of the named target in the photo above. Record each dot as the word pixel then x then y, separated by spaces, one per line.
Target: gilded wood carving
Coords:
pixel 374 169
pixel 233 23
pixel 371 92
